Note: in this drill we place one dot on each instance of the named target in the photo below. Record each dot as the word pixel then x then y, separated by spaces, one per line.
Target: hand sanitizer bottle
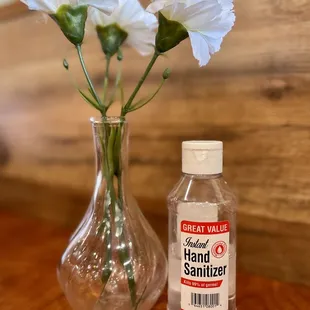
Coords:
pixel 202 232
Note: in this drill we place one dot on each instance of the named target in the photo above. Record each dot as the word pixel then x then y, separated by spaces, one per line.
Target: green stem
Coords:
pixel 121 87
pixel 106 225
pixel 116 86
pixel 110 169
pixel 91 86
pixel 124 250
pixel 114 206
pixel 126 260
pixel 127 106
pixel 106 80
pixel 111 142
pixel 141 297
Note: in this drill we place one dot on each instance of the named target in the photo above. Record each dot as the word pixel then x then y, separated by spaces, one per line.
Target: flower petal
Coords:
pixel 106 6
pixel 140 31
pixel 199 13
pixel 226 4
pixel 46 6
pixel 96 17
pixel 142 41
pixel 214 44
pixel 156 6
pixel 200 47
pixel 131 11
pixel 218 27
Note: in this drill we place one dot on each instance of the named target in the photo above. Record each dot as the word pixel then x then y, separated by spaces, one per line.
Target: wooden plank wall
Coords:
pixel 254 96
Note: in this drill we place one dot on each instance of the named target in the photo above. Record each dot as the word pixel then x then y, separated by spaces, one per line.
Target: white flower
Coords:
pixel 131 17
pixel 206 21
pixel 51 6
pixel 70 15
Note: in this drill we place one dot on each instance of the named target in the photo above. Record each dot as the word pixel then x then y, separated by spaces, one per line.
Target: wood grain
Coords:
pixel 28 277
pixel 254 95
pixel 11 11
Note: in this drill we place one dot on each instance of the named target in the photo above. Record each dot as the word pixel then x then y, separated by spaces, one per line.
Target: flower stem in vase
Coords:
pixel 111 146
pixel 106 226
pixel 124 247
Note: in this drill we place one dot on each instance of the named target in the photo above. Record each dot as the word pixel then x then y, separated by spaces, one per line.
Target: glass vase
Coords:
pixel 114 259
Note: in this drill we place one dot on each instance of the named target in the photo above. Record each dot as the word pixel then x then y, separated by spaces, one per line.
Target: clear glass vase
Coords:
pixel 114 259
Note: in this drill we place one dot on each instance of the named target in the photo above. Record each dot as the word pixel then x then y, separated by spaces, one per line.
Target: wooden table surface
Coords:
pixel 30 250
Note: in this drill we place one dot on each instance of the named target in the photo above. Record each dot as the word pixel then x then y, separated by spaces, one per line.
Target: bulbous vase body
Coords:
pixel 114 260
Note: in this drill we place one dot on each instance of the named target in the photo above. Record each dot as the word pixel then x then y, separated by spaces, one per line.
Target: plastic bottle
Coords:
pixel 202 232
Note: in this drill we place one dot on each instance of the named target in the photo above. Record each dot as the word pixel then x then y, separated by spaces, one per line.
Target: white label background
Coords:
pixel 222 238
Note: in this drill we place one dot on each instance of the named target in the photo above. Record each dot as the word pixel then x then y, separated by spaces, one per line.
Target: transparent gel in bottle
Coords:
pixel 202 196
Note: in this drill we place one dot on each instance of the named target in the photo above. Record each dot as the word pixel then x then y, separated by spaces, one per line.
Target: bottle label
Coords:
pixel 205 263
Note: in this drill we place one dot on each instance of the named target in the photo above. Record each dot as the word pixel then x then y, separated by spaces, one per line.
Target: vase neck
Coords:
pixel 111 146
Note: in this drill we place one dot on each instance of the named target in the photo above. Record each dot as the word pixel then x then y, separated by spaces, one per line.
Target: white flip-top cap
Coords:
pixel 202 157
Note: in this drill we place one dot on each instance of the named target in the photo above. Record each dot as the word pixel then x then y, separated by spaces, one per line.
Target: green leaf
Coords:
pixel 71 20
pixel 170 34
pixel 141 103
pixel 88 100
pixel 92 93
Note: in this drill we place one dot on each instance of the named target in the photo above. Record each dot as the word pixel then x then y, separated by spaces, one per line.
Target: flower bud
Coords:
pixel 119 55
pixel 65 64
pixel 71 21
pixel 166 73
pixel 111 38
pixel 170 34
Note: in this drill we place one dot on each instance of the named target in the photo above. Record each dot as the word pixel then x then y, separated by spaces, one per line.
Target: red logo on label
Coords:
pixel 219 249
